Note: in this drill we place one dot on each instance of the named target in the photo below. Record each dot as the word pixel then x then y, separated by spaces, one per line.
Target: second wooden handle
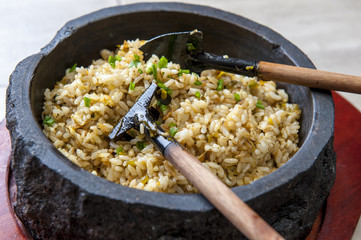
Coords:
pixel 309 77
pixel 228 203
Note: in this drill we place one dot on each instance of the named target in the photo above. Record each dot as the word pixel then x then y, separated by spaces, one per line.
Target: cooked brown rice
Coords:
pixel 239 141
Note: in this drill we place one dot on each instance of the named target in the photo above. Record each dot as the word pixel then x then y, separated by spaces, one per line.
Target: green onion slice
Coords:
pixel 259 104
pixel 131 85
pixel 111 61
pixel 141 145
pixel 172 124
pixel 163 108
pixel 135 61
pixel 87 101
pixel 72 69
pixel 181 71
pixel 237 97
pixel 190 46
pixel 198 83
pixel 198 94
pixel 173 131
pixel 119 150
pixel 220 84
pixel 163 62
pixel 48 121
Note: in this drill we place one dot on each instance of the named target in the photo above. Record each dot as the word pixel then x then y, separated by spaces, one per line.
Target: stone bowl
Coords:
pixel 58 200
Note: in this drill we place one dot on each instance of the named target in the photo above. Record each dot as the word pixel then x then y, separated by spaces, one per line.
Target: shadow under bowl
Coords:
pixel 57 199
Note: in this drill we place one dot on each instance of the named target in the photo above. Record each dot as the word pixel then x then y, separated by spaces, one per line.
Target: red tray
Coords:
pixel 337 221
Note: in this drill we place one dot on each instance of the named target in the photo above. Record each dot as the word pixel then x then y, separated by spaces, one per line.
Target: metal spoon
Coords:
pixel 186 49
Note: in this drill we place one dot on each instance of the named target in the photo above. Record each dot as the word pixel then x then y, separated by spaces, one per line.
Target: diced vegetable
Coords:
pixel 163 62
pixel 135 61
pixel 131 85
pixel 163 108
pixel 141 145
pixel 173 131
pixel 118 58
pixel 253 84
pixel 72 69
pixel 119 150
pixel 154 71
pixel 237 97
pixel 198 83
pixel 259 104
pixel 162 86
pixel 181 71
pixel 48 121
pixel 190 46
pixel 87 101
pixel 111 61
pixel 220 84
pixel 172 124
pixel 149 68
pixel 198 94
pixel 140 70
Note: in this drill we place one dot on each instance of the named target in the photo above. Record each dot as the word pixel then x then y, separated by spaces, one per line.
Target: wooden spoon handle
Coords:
pixel 309 77
pixel 228 203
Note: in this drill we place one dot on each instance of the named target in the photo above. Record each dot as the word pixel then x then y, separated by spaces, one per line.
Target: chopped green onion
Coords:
pixel 87 101
pixel 111 61
pixel 172 124
pixel 181 71
pixel 173 131
pixel 118 58
pixel 48 121
pixel 253 84
pixel 237 97
pixel 154 71
pixel 119 150
pixel 131 85
pixel 163 108
pixel 140 70
pixel 141 145
pixel 190 46
pixel 149 68
pixel 198 94
pixel 198 83
pixel 161 85
pixel 220 84
pixel 259 104
pixel 72 69
pixel 163 62
pixel 135 61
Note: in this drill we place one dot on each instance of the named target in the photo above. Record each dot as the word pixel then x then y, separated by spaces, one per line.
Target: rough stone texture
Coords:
pixel 58 200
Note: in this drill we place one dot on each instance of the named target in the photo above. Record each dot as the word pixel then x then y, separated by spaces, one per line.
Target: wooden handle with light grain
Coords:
pixel 309 77
pixel 227 202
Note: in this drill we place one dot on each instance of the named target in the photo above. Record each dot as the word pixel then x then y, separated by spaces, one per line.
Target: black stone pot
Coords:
pixel 58 200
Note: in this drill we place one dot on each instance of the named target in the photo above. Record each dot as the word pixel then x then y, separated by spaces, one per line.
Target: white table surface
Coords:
pixel 328 31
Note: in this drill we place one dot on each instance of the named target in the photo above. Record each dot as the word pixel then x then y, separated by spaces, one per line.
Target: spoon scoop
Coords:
pixel 222 197
pixel 186 49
